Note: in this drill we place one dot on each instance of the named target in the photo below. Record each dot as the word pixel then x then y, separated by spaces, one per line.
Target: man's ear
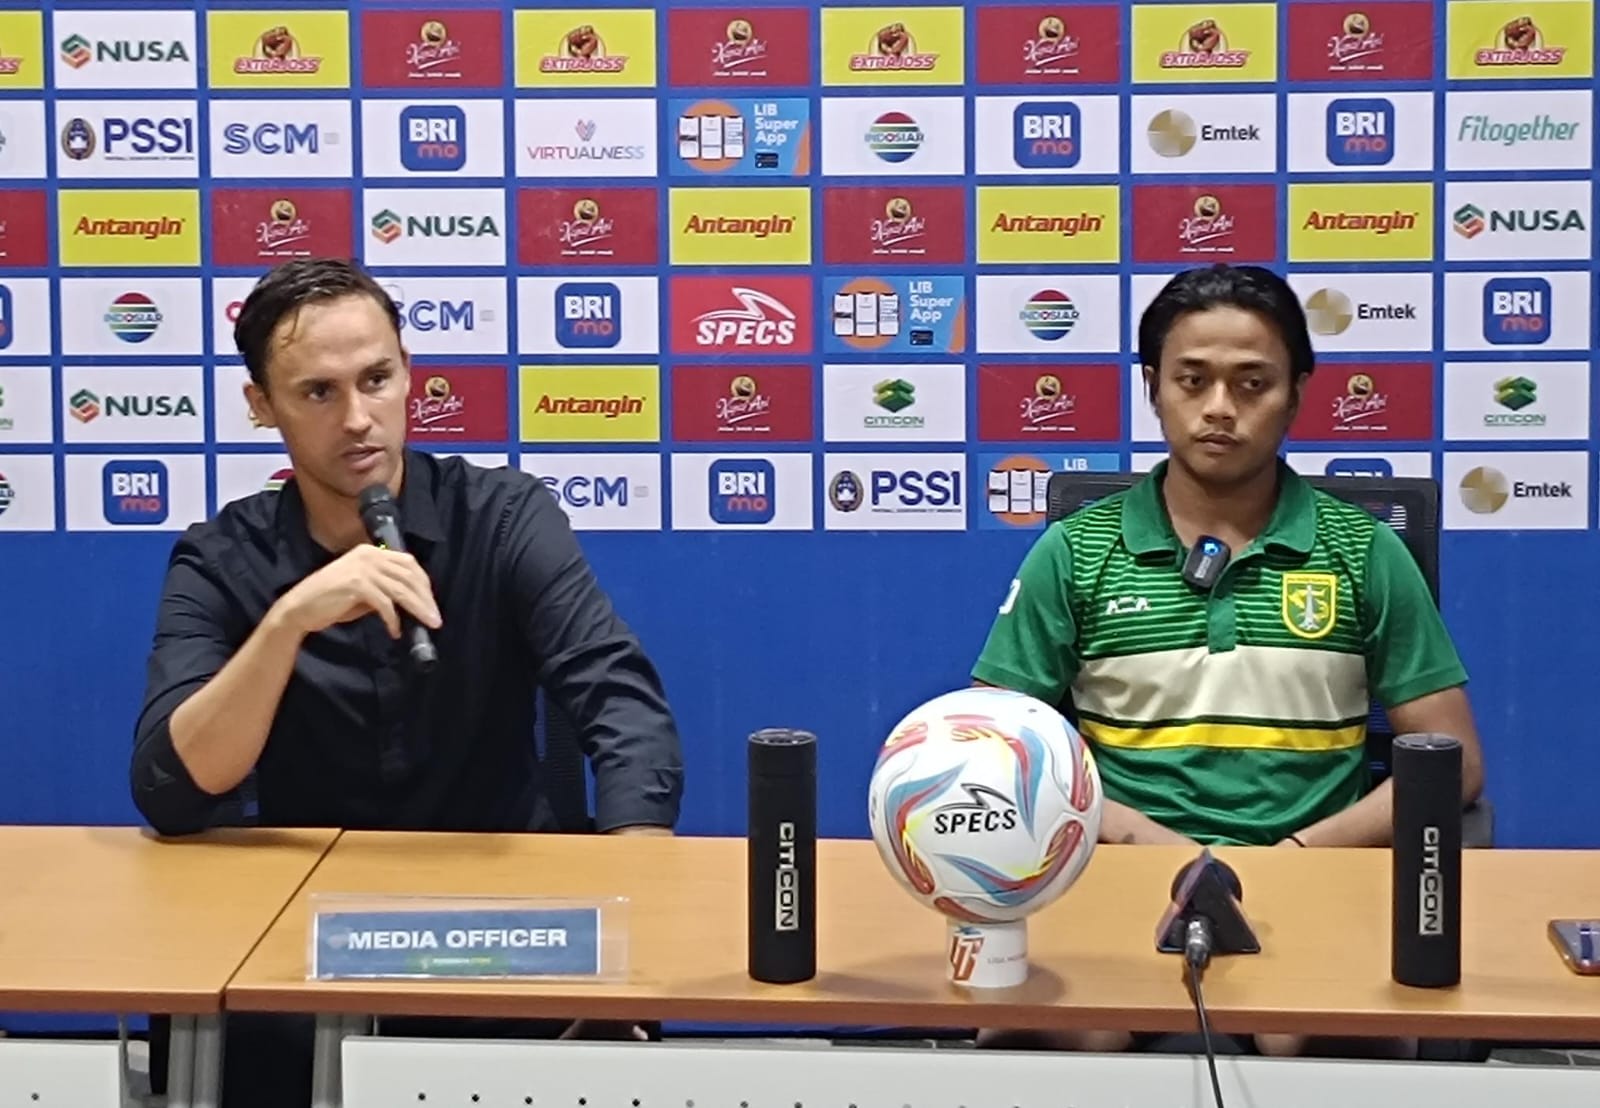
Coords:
pixel 1150 378
pixel 255 397
pixel 1297 388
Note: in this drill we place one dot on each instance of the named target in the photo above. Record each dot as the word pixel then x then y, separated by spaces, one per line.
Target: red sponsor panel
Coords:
pixel 23 241
pixel 255 227
pixel 767 403
pixel 598 226
pixel 432 48
pixel 1361 400
pixel 746 313
pixel 457 404
pixel 907 225
pixel 1361 42
pixel 1049 44
pixel 738 46
pixel 1196 224
pixel 1032 403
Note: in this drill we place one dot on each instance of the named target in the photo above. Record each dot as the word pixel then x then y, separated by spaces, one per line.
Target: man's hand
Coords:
pixel 640 829
pixel 364 579
pixel 1124 825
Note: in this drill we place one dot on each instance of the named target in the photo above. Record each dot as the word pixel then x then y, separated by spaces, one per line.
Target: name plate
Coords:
pixel 412 937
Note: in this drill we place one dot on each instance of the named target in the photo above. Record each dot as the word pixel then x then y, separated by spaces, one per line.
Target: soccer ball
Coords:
pixel 985 804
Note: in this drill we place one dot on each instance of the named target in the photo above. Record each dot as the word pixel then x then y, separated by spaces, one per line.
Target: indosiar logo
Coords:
pixel 743 490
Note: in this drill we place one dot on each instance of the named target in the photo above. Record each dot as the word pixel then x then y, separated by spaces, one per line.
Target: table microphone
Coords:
pixel 781 855
pixel 1205 914
pixel 1425 942
pixel 381 517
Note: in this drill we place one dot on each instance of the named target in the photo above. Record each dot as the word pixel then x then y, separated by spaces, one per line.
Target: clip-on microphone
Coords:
pixel 1208 557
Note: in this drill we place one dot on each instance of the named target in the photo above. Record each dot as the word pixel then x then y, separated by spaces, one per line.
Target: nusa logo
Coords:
pixel 743 490
pixel 1360 131
pixel 1046 135
pixel 588 315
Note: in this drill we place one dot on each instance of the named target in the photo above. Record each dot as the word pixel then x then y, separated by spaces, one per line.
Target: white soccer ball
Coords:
pixel 985 804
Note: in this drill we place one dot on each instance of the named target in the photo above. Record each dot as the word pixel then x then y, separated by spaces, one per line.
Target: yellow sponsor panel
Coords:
pixel 129 226
pixel 586 48
pixel 281 48
pixel 591 404
pixel 22 57
pixel 1489 39
pixel 746 226
pixel 1360 223
pixel 1205 42
pixel 1070 223
pixel 893 46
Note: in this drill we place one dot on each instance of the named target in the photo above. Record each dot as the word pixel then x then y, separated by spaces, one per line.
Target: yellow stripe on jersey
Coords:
pixel 1229 736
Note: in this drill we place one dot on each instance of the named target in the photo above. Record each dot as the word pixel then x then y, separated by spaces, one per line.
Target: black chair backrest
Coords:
pixel 1410 505
pixel 565 769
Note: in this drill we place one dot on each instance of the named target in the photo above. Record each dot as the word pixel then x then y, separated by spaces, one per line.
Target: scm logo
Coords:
pixel 589 491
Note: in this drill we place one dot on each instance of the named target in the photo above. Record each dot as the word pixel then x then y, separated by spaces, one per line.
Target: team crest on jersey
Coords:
pixel 1310 603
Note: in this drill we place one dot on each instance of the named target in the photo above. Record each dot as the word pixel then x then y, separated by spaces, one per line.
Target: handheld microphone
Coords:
pixel 1425 930
pixel 1205 915
pixel 781 855
pixel 381 517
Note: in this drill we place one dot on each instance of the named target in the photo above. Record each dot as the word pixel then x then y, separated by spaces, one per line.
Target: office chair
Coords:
pixel 564 765
pixel 1410 505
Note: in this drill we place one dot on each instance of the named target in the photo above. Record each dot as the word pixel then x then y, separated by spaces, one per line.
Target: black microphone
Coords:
pixel 1425 943
pixel 781 857
pixel 381 516
pixel 1206 914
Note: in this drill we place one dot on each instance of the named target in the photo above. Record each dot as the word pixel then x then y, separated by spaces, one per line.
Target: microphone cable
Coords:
pixel 1196 953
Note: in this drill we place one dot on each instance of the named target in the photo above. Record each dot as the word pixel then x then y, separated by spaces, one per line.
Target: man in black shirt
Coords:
pixel 278 659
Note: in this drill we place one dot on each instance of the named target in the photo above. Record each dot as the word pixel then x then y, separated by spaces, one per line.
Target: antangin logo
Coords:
pixel 1430 902
pixel 786 895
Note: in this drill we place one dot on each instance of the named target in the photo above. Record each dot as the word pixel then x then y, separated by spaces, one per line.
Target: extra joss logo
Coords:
pixel 582 50
pixel 1520 42
pixel 1204 46
pixel 892 48
pixel 277 51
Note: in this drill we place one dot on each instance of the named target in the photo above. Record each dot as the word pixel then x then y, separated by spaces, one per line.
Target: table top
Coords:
pixel 115 919
pixel 1322 916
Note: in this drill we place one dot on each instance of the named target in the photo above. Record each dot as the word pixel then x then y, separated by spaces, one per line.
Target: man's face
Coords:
pixel 1224 393
pixel 337 379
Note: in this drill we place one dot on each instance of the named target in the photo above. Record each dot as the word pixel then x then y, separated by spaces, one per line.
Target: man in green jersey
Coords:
pixel 1233 714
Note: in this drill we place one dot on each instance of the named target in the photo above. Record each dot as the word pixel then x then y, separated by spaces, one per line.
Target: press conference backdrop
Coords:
pixel 792 307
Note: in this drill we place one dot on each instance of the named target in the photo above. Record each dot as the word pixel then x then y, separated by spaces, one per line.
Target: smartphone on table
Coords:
pixel 1578 943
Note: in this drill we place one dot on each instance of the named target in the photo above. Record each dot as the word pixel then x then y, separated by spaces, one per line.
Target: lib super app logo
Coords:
pixel 742 138
pixel 734 46
pixel 897 315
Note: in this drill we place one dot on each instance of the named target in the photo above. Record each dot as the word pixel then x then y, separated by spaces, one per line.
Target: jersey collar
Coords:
pixel 1147 529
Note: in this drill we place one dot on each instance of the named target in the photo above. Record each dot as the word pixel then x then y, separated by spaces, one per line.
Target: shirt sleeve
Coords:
pixel 191 646
pixel 594 667
pixel 1032 645
pixel 1408 649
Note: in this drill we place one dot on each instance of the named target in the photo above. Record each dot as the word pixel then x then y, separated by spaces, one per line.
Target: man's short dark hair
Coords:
pixel 1250 287
pixel 286 290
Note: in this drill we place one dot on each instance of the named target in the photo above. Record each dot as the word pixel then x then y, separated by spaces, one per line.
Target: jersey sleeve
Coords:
pixel 1032 644
pixel 1408 649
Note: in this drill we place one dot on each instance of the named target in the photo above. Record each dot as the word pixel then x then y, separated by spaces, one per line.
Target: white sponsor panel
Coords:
pixel 118 49
pixel 482 461
pixel 1049 313
pixel 741 492
pixel 1204 133
pixel 97 140
pixel 1516 400
pixel 26 405
pixel 588 314
pixel 1142 421
pixel 141 404
pixel 272 139
pixel 1360 131
pixel 1361 463
pixel 602 492
pixel 131 315
pixel 230 414
pixel 227 298
pixel 894 403
pixel 1357 312
pixel 1505 130
pixel 1551 309
pixel 22 139
pixel 392 131
pixel 893 136
pixel 587 138
pixel 25 317
pixel 1142 289
pixel 895 492
pixel 1145 462
pixel 450 315
pixel 135 492
pixel 1533 490
pixel 1517 220
pixel 434 227
pixel 242 475
pixel 27 492
pixel 1099 137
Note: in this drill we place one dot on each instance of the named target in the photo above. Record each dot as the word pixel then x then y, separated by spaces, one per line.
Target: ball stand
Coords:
pixel 987 955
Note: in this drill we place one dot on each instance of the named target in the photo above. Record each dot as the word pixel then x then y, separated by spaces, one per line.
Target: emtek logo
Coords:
pixel 433 137
pixel 1046 135
pixel 1516 310
pixel 743 490
pixel 135 492
pixel 1360 131
pixel 588 314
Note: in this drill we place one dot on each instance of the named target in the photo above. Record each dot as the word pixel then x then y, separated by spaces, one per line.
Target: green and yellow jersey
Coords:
pixel 1236 715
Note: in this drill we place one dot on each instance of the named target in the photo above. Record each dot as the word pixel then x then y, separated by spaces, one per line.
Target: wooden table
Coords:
pixel 113 919
pixel 1323 918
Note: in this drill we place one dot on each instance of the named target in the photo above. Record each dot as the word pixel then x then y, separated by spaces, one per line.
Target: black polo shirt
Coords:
pixel 362 742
